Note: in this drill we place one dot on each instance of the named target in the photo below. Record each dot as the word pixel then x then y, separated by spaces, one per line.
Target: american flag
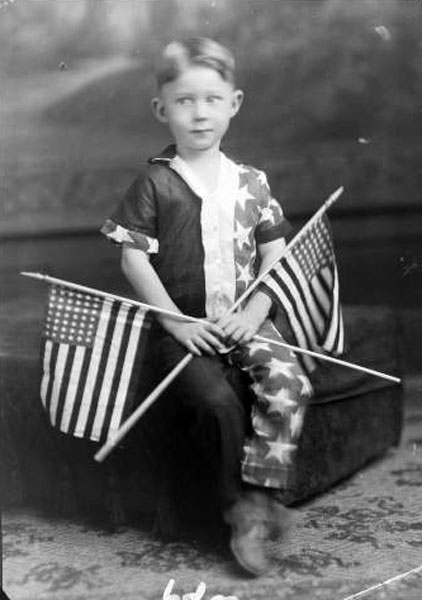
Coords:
pixel 305 286
pixel 91 352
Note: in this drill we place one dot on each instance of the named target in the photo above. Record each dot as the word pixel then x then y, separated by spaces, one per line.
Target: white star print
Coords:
pixel 306 385
pixel 255 347
pixel 280 451
pixel 244 274
pixel 278 367
pixel 281 402
pixel 242 235
pixel 259 423
pixel 267 214
pixel 262 178
pixel 296 421
pixel 242 196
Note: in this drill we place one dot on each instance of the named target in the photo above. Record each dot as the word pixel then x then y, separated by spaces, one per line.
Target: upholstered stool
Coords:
pixel 352 419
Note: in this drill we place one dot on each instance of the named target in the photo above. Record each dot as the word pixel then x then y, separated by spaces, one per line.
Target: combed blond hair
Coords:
pixel 198 51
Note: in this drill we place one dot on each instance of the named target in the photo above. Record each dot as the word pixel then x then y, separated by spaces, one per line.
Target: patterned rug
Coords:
pixel 362 532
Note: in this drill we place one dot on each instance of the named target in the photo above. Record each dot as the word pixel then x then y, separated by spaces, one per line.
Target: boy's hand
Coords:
pixel 198 338
pixel 239 328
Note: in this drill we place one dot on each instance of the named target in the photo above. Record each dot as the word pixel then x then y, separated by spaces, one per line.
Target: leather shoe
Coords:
pixel 247 520
pixel 278 519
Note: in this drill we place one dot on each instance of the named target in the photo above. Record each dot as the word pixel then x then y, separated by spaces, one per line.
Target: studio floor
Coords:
pixel 364 531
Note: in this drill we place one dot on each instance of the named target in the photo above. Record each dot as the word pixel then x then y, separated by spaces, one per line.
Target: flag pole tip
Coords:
pixel 338 192
pixel 34 274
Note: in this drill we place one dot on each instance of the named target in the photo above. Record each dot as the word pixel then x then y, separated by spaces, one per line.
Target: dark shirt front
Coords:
pixel 161 215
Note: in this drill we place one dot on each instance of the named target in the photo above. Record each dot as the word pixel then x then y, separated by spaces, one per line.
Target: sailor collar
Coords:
pixel 166 156
pixel 169 153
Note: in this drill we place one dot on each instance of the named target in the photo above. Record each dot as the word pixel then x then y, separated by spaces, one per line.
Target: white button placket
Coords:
pixel 217 222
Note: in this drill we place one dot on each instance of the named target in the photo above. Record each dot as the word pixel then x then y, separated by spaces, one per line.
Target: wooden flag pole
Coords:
pixel 189 319
pixel 110 444
pixel 329 202
pixel 107 295
pixel 328 358
pixel 130 422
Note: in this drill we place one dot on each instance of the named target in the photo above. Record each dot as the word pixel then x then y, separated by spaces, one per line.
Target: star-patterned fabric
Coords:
pixel 255 223
pixel 167 213
pixel 282 391
pixel 121 235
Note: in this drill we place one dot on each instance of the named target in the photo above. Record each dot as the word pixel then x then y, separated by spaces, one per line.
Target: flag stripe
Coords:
pixel 110 373
pixel 59 368
pixel 120 379
pixel 91 353
pixel 315 306
pixel 321 292
pixel 308 306
pixel 94 367
pixel 61 398
pixel 288 302
pixel 298 294
pixel 72 427
pixel 303 317
pixel 74 379
pixel 102 363
pixel 305 285
pixel 278 296
pixel 140 352
pixel 331 341
pixel 326 282
pixel 46 349
pixel 341 330
pixel 318 306
pixel 51 370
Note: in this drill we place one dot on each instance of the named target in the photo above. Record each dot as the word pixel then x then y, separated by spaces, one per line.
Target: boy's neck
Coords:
pixel 206 165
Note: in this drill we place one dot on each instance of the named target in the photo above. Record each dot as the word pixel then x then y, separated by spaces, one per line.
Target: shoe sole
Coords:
pixel 243 564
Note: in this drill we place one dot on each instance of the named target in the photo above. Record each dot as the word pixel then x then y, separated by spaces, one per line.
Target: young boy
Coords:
pixel 191 228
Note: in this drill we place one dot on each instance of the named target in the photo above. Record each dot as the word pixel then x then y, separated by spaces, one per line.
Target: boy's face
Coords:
pixel 197 106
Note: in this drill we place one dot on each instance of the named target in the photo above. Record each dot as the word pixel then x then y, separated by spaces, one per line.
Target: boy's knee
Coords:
pixel 221 401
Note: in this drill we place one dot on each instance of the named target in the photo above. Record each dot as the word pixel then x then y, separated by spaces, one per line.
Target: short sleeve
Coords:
pixel 272 223
pixel 135 219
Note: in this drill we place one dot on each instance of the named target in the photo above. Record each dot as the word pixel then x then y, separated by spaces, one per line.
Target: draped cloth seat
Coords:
pixel 353 418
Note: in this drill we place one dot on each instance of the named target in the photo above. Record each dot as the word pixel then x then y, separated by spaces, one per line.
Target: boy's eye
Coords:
pixel 213 98
pixel 184 100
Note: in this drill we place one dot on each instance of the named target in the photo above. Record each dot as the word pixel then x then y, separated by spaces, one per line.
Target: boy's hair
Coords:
pixel 198 51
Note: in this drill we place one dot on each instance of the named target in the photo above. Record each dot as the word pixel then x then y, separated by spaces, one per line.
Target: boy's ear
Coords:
pixel 158 109
pixel 237 100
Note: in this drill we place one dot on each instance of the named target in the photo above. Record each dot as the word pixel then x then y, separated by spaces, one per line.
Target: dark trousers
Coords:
pixel 204 419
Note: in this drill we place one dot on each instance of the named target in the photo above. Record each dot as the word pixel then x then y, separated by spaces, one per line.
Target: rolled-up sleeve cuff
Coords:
pixel 280 230
pixel 118 235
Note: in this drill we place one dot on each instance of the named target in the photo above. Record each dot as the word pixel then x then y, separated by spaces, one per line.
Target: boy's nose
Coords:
pixel 200 111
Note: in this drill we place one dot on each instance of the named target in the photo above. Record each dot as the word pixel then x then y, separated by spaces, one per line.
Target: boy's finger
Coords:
pixel 214 328
pixel 203 345
pixel 246 337
pixel 192 348
pixel 241 335
pixel 222 322
pixel 232 329
pixel 214 341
